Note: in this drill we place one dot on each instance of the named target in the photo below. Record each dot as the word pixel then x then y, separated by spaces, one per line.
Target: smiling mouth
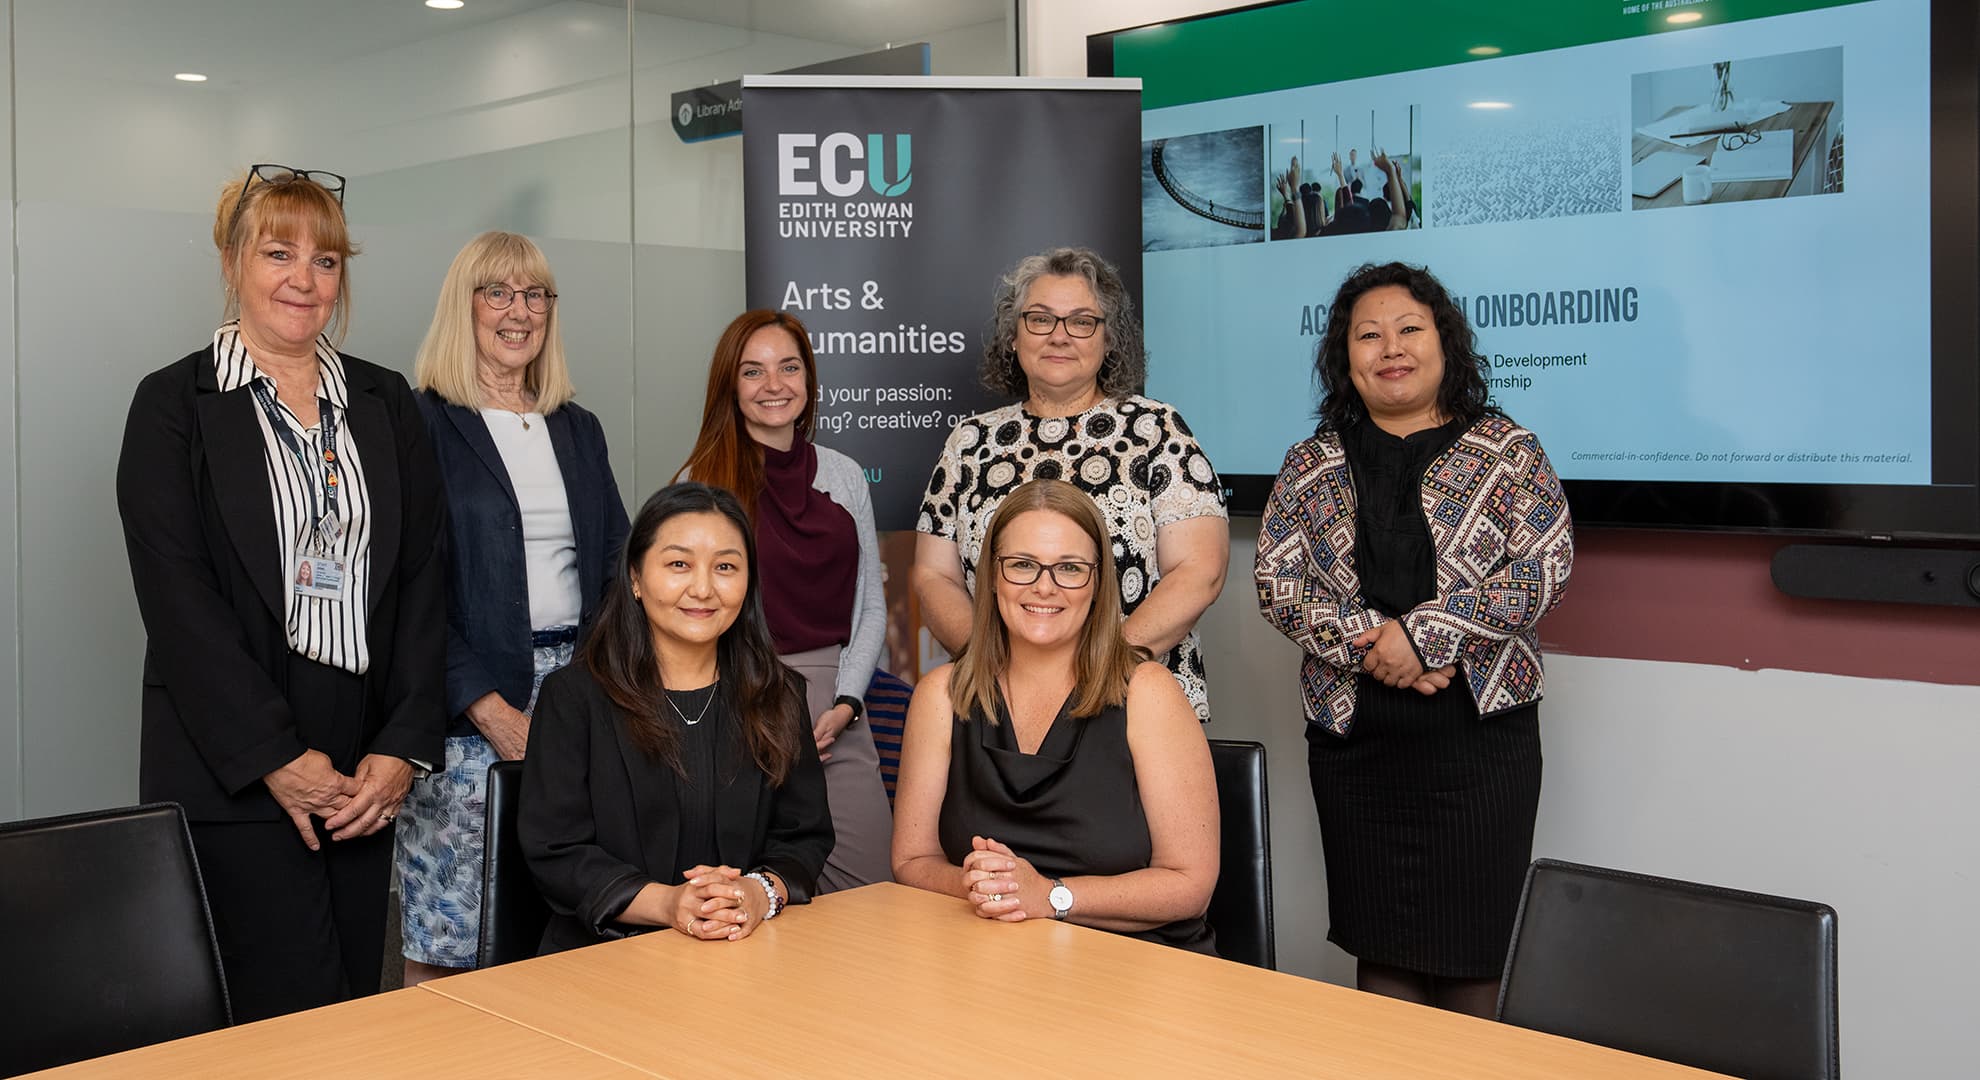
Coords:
pixel 775 403
pixel 697 613
pixel 513 337
pixel 1038 610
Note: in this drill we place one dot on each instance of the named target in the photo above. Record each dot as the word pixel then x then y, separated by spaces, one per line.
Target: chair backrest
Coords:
pixel 513 913
pixel 1731 981
pixel 1241 908
pixel 106 935
pixel 887 697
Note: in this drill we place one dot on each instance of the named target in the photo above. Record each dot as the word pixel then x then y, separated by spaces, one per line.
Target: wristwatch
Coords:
pixel 857 706
pixel 1061 898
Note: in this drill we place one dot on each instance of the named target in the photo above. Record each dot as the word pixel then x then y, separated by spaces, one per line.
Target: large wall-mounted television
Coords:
pixel 1721 254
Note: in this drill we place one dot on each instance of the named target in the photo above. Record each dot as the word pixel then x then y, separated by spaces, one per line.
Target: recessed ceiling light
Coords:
pixel 1491 104
pixel 190 76
pixel 445 5
pixel 1683 17
pixel 1484 50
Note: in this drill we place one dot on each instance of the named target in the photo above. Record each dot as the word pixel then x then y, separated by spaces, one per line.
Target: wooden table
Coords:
pixel 884 980
pixel 409 1033
pixel 1807 119
pixel 891 980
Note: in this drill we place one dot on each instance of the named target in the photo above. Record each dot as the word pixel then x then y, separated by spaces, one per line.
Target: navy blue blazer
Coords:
pixel 488 631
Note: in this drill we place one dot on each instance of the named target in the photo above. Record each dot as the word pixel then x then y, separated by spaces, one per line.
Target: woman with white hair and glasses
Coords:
pixel 537 525
pixel 282 512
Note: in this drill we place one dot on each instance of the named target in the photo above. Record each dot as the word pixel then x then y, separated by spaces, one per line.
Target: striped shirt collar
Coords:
pixel 234 368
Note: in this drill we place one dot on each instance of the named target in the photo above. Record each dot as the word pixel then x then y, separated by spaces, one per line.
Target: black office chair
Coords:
pixel 513 913
pixel 1241 908
pixel 1731 981
pixel 106 935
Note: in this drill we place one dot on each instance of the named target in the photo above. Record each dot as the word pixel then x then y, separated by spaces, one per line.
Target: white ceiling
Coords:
pixel 860 23
pixel 247 42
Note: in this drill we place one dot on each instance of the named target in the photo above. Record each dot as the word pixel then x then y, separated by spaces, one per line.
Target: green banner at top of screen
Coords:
pixel 1308 42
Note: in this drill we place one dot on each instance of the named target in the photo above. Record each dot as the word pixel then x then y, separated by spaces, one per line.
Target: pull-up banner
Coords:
pixel 881 211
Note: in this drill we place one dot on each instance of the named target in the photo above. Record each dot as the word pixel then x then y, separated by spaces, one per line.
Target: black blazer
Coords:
pixel 599 819
pixel 192 488
pixel 488 632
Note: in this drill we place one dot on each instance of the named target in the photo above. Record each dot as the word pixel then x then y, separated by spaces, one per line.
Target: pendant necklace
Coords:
pixel 669 694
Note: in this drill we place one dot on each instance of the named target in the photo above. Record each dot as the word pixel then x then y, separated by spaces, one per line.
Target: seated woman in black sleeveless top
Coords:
pixel 1052 771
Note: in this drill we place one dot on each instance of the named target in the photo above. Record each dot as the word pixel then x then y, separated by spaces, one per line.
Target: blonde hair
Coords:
pixel 1103 661
pixel 446 363
pixel 286 211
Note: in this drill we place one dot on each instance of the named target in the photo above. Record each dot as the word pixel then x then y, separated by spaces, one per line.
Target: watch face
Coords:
pixel 1061 898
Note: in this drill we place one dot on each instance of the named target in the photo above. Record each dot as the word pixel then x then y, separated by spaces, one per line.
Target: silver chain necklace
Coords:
pixel 703 715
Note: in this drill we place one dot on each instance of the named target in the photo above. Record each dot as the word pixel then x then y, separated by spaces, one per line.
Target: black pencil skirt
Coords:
pixel 1426 822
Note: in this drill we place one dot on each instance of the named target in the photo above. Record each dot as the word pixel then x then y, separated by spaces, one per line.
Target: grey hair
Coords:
pixel 1126 364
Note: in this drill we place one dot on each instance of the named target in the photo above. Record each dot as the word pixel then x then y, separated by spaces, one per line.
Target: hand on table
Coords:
pixel 307 786
pixel 715 904
pixel 1000 882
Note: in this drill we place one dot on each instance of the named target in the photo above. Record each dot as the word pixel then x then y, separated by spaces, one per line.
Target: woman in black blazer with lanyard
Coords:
pixel 672 780
pixel 536 526
pixel 282 512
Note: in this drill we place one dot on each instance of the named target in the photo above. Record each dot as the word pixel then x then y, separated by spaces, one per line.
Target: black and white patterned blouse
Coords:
pixel 328 631
pixel 1135 456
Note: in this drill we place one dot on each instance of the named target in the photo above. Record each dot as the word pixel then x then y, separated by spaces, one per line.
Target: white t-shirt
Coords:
pixel 549 540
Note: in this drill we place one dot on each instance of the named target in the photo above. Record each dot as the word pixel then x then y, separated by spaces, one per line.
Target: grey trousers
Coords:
pixel 861 816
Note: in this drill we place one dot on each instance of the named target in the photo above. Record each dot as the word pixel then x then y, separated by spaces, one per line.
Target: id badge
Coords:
pixel 319 577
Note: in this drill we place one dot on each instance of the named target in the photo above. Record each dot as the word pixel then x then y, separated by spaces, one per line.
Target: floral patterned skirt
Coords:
pixel 439 843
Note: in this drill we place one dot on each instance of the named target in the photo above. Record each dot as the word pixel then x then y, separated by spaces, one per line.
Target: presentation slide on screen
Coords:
pixel 1672 267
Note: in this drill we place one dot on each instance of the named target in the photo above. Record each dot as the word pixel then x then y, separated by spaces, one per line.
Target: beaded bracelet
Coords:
pixel 769 890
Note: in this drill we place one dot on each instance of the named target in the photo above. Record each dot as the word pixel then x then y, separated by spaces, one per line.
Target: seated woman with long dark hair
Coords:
pixel 1053 771
pixel 671 780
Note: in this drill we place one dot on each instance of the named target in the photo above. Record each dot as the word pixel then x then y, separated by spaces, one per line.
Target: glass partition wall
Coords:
pixel 548 119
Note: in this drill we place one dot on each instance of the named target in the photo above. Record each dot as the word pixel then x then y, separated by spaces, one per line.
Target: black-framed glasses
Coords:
pixel 276 175
pixel 499 297
pixel 1066 574
pixel 1044 322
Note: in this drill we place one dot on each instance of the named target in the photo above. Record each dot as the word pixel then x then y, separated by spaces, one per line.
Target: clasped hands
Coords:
pixel 1393 660
pixel 351 806
pixel 998 882
pixel 715 904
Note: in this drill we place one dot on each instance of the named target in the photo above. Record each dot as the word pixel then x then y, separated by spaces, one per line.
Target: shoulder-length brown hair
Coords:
pixel 446 361
pixel 724 455
pixel 755 687
pixel 250 209
pixel 1104 661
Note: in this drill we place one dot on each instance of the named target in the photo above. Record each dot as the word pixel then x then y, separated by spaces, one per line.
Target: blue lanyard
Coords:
pixel 324 527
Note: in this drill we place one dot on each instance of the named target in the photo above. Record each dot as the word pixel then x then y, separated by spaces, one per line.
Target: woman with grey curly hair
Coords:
pixel 1065 342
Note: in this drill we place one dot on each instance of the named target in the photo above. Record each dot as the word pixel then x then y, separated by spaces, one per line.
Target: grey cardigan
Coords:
pixel 844 482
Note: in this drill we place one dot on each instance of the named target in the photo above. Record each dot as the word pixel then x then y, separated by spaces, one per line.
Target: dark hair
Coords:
pixel 724 454
pixel 1126 363
pixel 755 686
pixel 1465 394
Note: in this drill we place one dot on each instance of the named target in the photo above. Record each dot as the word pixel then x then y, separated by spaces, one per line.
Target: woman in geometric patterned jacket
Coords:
pixel 1410 547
